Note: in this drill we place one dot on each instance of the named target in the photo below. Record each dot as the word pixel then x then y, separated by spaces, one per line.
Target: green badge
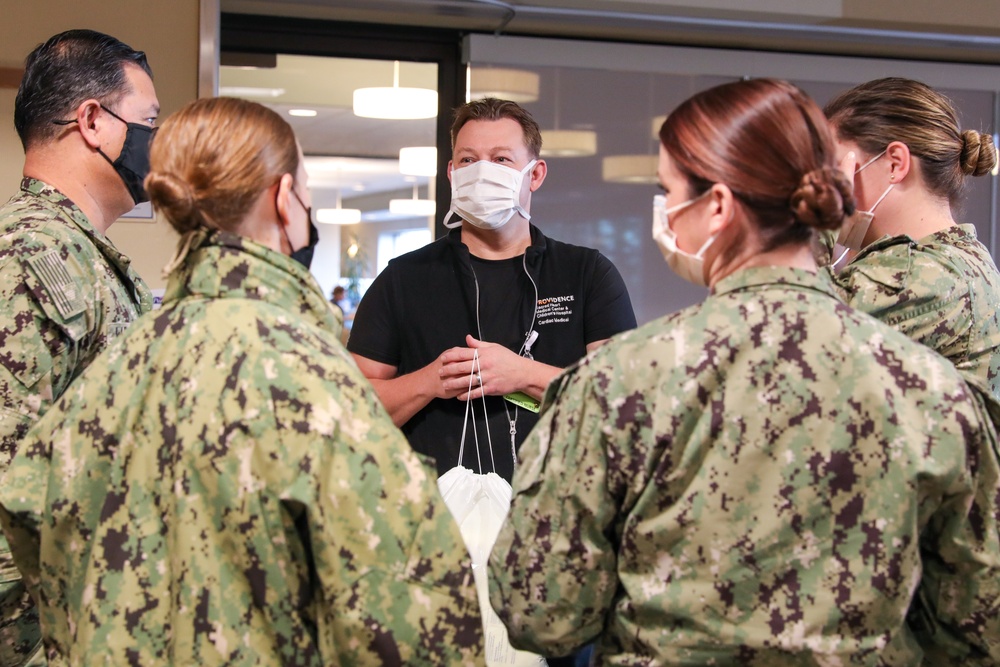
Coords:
pixel 522 400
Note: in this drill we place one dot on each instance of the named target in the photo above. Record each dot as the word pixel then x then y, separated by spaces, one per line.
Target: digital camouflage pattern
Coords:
pixel 757 480
pixel 223 487
pixel 65 293
pixel 942 291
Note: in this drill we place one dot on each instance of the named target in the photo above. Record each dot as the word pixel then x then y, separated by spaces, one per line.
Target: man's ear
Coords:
pixel 90 119
pixel 722 208
pixel 537 174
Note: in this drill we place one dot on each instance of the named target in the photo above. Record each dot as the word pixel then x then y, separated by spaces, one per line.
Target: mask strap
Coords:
pixel 184 246
pixel 841 258
pixel 858 170
pixel 451 225
pixel 879 201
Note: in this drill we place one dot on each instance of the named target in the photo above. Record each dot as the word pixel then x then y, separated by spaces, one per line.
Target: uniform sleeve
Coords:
pixel 43 324
pixel 956 613
pixel 376 333
pixel 553 568
pixel 396 579
pixel 609 308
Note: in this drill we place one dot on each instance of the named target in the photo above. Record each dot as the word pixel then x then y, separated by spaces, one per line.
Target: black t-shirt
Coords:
pixel 424 302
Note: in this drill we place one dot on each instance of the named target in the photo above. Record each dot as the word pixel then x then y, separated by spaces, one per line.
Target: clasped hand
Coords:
pixel 494 370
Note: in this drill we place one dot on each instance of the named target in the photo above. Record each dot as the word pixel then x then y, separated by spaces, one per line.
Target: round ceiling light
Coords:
pixel 630 169
pixel 338 216
pixel 568 143
pixel 395 103
pixel 516 85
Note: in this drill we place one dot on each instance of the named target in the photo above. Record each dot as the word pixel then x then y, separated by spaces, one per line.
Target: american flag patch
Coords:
pixel 64 292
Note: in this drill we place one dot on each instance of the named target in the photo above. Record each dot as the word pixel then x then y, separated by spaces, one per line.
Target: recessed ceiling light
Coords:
pixel 338 216
pixel 304 113
pixel 250 91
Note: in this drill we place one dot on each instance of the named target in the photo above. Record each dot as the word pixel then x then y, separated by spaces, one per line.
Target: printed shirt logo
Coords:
pixel 555 309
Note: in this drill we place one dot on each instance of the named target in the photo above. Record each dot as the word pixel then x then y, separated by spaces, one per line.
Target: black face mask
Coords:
pixel 132 165
pixel 304 255
pixel 133 162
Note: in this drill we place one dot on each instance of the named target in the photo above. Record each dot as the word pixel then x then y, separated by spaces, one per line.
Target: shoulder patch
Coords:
pixel 57 281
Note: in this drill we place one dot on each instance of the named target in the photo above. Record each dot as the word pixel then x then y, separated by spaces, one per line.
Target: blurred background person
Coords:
pixel 914 266
pixel 769 477
pixel 224 487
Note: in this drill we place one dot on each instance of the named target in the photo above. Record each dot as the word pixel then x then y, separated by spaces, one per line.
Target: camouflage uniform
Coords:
pixel 66 292
pixel 757 480
pixel 942 291
pixel 224 487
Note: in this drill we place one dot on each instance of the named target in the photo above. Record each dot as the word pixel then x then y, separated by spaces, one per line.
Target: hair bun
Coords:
pixel 822 199
pixel 979 153
pixel 172 196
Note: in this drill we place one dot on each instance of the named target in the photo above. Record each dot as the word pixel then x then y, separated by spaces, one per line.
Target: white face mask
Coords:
pixel 486 194
pixel 852 232
pixel 689 267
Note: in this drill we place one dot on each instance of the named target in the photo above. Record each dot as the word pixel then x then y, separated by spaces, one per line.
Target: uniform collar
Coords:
pixel 954 235
pixel 227 265
pixel 780 276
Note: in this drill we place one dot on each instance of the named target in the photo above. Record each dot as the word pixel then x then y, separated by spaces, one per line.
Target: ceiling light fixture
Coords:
pixel 516 85
pixel 637 168
pixel 339 215
pixel 567 143
pixel 629 169
pixel 415 207
pixel 658 122
pixel 303 113
pixel 250 91
pixel 418 161
pixel 395 103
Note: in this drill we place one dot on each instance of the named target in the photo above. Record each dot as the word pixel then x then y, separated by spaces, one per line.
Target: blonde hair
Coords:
pixel 876 113
pixel 212 159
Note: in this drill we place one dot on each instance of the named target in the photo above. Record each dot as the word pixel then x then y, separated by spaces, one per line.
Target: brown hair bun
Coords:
pixel 979 153
pixel 822 199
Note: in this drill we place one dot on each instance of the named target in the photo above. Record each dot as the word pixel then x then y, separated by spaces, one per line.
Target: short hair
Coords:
pixel 491 108
pixel 66 70
pixel 210 161
pixel 770 143
pixel 876 113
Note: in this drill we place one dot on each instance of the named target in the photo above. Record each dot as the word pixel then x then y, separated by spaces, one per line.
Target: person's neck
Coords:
pixel 75 181
pixel 508 241
pixel 789 256
pixel 915 213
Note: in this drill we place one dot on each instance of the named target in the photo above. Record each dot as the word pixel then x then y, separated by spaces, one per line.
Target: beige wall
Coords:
pixel 166 31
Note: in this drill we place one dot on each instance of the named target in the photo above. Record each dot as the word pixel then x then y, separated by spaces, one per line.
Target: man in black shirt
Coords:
pixel 494 309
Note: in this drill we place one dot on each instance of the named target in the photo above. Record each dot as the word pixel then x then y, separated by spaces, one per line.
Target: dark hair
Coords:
pixel 771 145
pixel 876 113
pixel 66 70
pixel 210 161
pixel 490 108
